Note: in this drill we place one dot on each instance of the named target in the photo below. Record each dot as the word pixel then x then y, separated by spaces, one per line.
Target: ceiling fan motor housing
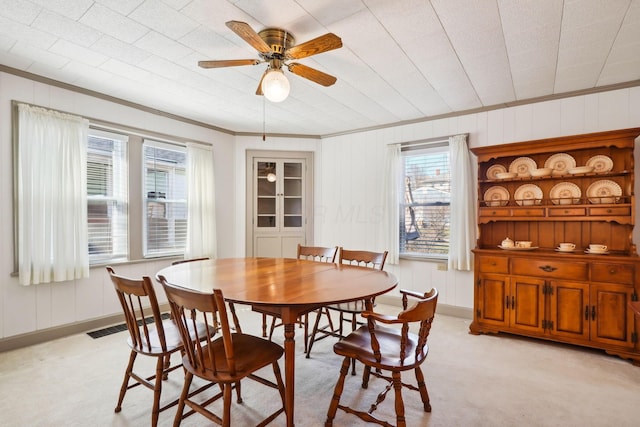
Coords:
pixel 278 40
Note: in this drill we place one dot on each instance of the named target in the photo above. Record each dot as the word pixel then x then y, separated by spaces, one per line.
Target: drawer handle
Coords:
pixel 566 211
pixel 612 271
pixel 609 211
pixel 547 268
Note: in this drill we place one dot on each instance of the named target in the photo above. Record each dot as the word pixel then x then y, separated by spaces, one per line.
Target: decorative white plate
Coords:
pixel 523 166
pixel 604 191
pixel 494 170
pixel 565 193
pixel 496 196
pixel 528 194
pixel 515 248
pixel 600 163
pixel 560 163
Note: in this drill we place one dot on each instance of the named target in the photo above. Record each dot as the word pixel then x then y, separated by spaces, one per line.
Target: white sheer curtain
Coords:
pixel 201 206
pixel 52 196
pixel 463 212
pixel 390 229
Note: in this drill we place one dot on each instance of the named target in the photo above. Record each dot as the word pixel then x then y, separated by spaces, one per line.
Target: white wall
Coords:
pixel 347 178
pixel 32 308
pixel 352 166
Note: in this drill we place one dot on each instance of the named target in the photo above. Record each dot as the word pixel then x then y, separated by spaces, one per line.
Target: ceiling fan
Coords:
pixel 276 46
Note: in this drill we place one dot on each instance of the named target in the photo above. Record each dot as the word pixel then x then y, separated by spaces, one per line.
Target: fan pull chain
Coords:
pixel 264 119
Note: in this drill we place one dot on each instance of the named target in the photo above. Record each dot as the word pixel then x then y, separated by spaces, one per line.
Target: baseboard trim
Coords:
pixel 38 337
pixel 448 310
pixel 44 335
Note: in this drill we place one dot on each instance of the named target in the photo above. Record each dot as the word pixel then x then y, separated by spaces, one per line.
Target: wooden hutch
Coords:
pixel 572 297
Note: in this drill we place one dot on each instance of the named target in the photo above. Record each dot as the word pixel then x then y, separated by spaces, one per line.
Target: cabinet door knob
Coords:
pixel 547 268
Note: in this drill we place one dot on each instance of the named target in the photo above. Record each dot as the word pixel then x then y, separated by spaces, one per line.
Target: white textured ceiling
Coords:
pixel 401 60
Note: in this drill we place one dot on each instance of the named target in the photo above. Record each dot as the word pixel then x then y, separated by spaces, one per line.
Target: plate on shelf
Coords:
pixel 565 193
pixel 496 196
pixel 600 163
pixel 604 191
pixel 523 166
pixel 587 251
pixel 560 163
pixel 565 251
pixel 515 248
pixel 493 171
pixel 528 194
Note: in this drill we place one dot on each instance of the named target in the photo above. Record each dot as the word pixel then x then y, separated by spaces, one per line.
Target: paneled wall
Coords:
pixel 25 309
pixel 352 165
pixel 347 180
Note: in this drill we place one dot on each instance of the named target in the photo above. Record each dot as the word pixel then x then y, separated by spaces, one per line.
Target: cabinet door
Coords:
pixel 279 195
pixel 492 298
pixel 569 309
pixel 526 306
pixel 610 316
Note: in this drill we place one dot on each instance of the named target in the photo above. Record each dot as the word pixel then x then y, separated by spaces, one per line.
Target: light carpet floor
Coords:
pixel 472 381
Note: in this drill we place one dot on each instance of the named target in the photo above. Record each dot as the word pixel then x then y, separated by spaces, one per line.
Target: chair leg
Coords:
pixel 238 392
pixel 397 385
pixel 272 328
pixel 264 325
pixel 314 331
pixel 337 392
pixel 185 392
pixel 278 375
pixel 125 382
pixel 226 413
pixel 157 390
pixel 366 374
pixel 306 331
pixel 422 386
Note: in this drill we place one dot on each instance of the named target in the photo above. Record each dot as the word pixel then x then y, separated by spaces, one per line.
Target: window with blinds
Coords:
pixel 425 209
pixel 107 195
pixel 165 192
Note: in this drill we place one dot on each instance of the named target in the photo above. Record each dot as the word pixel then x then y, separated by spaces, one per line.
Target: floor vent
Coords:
pixel 119 328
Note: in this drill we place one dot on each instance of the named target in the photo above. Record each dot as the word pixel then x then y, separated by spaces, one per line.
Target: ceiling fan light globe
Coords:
pixel 275 86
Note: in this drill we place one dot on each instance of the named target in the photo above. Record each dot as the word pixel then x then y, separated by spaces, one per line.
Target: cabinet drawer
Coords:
pixel 567 211
pixel 489 212
pixel 494 264
pixel 612 273
pixel 617 211
pixel 551 269
pixel 529 212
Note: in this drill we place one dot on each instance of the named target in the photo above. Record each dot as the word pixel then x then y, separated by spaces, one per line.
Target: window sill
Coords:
pixel 427 258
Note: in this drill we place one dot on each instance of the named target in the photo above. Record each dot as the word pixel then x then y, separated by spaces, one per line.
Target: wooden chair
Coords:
pixel 388 349
pixel 311 253
pixel 348 311
pixel 224 361
pixel 149 335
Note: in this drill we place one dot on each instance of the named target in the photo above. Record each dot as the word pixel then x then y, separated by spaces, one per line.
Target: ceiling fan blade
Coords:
pixel 228 63
pixel 259 89
pixel 313 47
pixel 312 74
pixel 249 35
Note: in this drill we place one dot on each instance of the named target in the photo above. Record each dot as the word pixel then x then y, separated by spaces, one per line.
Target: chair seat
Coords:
pixel 358 345
pixel 251 353
pixel 171 334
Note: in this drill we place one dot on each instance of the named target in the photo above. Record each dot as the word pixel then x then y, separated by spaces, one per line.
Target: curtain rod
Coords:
pixel 115 127
pixel 430 142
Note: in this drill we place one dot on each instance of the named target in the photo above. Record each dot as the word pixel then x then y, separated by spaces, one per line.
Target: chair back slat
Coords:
pixel 137 297
pixel 317 253
pixel 363 258
pixel 187 305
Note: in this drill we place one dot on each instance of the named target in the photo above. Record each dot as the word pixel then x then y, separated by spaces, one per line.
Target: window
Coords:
pixel 425 209
pixel 107 195
pixel 165 192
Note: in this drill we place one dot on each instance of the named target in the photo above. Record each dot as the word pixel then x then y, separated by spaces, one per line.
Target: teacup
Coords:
pixel 597 248
pixel 523 244
pixel 567 246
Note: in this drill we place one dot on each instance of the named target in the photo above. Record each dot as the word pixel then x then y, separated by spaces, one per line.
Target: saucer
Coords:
pixel 516 248
pixel 587 251
pixel 565 250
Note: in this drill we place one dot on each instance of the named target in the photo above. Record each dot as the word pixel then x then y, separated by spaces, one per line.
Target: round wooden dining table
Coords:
pixel 288 287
